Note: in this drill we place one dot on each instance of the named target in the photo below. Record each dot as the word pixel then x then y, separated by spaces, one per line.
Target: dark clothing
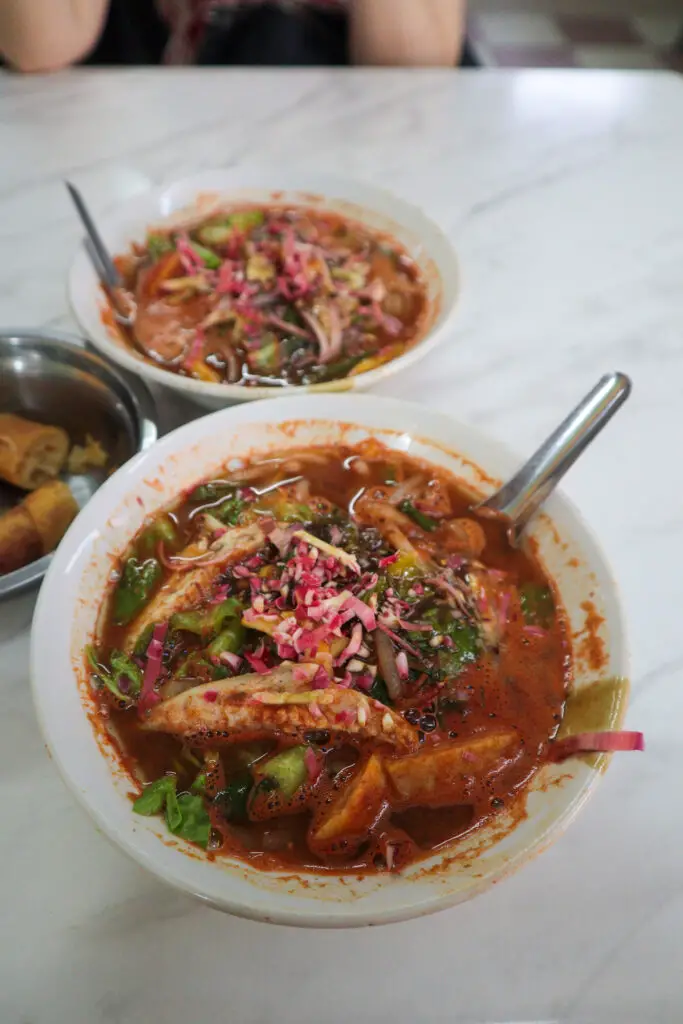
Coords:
pixel 265 35
pixel 133 34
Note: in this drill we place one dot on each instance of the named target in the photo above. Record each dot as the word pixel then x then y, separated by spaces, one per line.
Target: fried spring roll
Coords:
pixel 30 453
pixel 52 508
pixel 19 540
pixel 36 526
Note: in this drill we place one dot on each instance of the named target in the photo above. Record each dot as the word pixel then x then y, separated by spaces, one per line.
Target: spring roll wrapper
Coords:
pixel 52 508
pixel 19 540
pixel 30 453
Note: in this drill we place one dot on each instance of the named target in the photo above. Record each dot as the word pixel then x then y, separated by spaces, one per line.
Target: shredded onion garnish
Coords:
pixel 597 742
pixel 154 654
pixel 388 666
pixel 399 640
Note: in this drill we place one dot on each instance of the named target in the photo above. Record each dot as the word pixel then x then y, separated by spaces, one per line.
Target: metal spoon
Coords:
pixel 103 264
pixel 123 307
pixel 521 497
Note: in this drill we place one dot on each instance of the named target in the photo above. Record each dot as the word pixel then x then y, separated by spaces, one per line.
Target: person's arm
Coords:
pixel 418 33
pixel 44 35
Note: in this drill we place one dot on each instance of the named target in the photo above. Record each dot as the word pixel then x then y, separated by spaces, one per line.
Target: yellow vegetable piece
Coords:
pixel 408 566
pixel 356 808
pixel 438 777
pixel 263 625
pixel 372 362
pixel 203 372
pixel 259 268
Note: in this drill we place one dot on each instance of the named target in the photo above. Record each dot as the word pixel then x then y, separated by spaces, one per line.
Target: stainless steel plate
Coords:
pixel 48 376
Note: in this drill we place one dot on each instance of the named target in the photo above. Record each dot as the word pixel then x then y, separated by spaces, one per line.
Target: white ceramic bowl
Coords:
pixel 66 618
pixel 375 207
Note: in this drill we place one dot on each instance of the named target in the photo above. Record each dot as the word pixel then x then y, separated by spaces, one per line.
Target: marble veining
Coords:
pixel 562 192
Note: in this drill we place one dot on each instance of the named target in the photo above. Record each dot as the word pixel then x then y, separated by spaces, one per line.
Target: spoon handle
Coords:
pixel 519 499
pixel 106 264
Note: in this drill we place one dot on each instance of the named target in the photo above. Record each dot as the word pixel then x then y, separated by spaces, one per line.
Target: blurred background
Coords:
pixel 620 34
pixel 577 33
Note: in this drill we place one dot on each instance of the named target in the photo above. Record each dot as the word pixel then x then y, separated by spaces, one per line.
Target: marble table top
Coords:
pixel 562 192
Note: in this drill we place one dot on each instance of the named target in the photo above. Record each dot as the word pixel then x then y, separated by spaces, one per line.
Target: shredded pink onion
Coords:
pixel 346 716
pixel 313 765
pixel 288 328
pixel 418 627
pixel 439 581
pixel 594 742
pixel 391 324
pixel 399 640
pixel 335 535
pixel 364 681
pixel 388 560
pixel 267 525
pixel 155 651
pixel 309 640
pixel 192 263
pixel 363 611
pixel 233 660
pixel 321 679
pixel 534 631
pixel 195 351
pixel 402 664
pixel 291 256
pixel 257 663
pixel 376 290
pixel 225 278
pixel 324 344
pixel 282 539
pixel 353 645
